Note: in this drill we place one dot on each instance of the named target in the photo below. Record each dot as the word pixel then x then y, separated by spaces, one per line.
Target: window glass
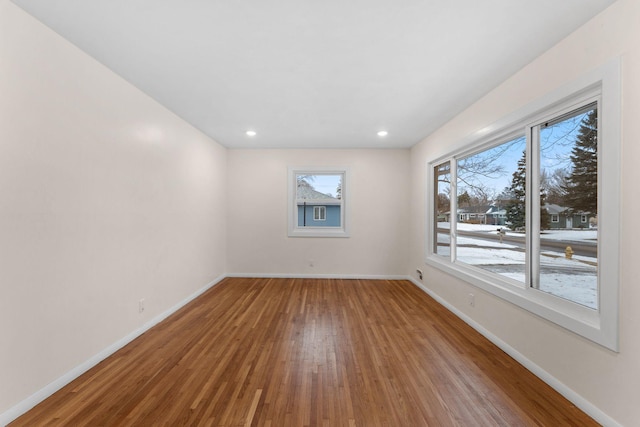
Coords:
pixel 491 209
pixel 568 258
pixel 319 190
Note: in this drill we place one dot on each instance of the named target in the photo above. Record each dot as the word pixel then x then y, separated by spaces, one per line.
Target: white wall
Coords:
pixel 376 198
pixel 105 198
pixel 606 379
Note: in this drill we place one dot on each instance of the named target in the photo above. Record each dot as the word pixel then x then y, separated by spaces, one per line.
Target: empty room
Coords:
pixel 299 213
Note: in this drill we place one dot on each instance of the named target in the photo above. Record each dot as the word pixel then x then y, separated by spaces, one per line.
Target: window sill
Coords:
pixel 574 317
pixel 318 232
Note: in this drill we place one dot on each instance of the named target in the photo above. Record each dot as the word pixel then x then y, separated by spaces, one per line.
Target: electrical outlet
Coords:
pixel 419 273
pixel 141 305
pixel 472 300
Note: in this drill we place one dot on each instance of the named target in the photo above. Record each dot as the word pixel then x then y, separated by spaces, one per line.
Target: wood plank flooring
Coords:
pixel 302 352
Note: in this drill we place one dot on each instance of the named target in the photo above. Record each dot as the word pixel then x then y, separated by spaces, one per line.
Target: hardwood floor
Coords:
pixel 302 352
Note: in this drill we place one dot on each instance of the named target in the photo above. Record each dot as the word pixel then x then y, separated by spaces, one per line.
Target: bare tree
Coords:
pixel 554 184
pixel 443 204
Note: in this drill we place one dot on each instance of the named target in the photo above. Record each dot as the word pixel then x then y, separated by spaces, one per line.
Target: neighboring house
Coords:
pixel 561 218
pixel 472 214
pixel 317 209
pixel 477 215
pixel 496 215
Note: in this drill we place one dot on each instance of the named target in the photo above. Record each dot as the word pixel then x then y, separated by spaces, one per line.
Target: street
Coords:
pixel 582 248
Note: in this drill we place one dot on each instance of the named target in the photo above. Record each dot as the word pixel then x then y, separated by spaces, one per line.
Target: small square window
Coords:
pixel 317 202
pixel 555 218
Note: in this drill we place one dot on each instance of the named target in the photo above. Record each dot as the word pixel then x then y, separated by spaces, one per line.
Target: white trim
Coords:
pixel 575 398
pixel 25 405
pixel 318 276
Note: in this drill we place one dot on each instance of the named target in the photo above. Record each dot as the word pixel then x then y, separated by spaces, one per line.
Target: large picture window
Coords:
pixel 317 202
pixel 529 212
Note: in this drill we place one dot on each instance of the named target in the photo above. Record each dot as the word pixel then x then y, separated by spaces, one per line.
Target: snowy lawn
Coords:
pixel 572 279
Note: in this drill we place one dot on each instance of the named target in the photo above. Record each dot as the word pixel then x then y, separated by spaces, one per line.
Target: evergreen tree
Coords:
pixel 582 187
pixel 545 218
pixel 516 205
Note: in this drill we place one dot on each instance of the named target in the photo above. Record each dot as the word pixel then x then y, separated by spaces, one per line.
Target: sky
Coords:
pixel 556 143
pixel 326 184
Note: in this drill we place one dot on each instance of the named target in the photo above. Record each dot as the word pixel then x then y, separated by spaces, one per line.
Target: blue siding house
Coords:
pixel 316 209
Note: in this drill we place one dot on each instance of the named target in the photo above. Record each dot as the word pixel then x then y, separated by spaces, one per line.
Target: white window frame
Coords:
pixel 319 213
pixel 583 219
pixel 555 218
pixel 309 231
pixel 601 325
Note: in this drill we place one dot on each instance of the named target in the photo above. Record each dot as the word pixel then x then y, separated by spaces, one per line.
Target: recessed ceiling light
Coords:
pixel 383 133
pixel 251 133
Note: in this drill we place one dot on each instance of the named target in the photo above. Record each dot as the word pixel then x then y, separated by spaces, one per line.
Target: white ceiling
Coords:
pixel 315 73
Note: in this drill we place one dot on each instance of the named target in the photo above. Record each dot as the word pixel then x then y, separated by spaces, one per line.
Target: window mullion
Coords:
pixel 453 167
pixel 533 211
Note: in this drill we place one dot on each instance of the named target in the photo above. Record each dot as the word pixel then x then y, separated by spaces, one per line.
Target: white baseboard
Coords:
pixel 31 401
pixel 582 403
pixel 318 276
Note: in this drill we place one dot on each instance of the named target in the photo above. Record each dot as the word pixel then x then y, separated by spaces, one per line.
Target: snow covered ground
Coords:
pixel 572 279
